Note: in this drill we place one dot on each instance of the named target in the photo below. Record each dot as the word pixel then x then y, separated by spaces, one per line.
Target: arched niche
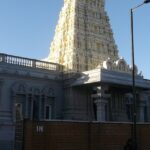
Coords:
pixel 19 87
pixel 19 95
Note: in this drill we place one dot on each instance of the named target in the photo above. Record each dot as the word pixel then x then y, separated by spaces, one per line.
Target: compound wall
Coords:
pixel 61 135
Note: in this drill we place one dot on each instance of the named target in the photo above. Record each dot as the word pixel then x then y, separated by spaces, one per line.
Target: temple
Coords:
pixel 83 79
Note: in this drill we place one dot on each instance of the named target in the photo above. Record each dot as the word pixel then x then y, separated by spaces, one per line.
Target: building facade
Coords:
pixel 83 79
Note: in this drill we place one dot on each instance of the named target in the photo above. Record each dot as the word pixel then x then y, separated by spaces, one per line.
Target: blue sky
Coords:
pixel 27 28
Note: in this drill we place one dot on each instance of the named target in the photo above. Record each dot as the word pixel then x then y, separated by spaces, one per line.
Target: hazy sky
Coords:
pixel 27 28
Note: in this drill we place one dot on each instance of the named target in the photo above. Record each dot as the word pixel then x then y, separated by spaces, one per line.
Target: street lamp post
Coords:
pixel 134 136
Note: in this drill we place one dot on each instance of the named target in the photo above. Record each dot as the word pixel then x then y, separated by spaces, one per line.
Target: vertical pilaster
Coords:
pixel 26 106
pixel 101 109
pixel 32 101
pixel 14 107
pixel 141 107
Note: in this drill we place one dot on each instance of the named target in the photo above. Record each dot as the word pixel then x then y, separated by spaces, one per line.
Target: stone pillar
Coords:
pixel 141 113
pixel 101 101
pixel 128 107
pixel 141 106
pixel 101 109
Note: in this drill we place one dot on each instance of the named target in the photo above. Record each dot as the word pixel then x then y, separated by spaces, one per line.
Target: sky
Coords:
pixel 27 28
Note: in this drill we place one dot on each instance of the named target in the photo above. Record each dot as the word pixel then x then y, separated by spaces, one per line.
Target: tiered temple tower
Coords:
pixel 83 38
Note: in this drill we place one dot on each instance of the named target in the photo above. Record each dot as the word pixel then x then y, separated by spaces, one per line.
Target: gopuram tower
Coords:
pixel 83 38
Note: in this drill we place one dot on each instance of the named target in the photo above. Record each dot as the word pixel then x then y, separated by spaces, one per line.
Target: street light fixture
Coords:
pixel 146 1
pixel 134 136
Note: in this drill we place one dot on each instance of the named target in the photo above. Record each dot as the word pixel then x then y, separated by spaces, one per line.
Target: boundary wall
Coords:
pixel 65 135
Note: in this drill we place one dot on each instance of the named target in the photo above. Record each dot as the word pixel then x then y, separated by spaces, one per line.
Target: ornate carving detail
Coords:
pixel 19 87
pixel 48 91
pixel 122 65
pixel 36 91
pixel 108 64
pixel 118 65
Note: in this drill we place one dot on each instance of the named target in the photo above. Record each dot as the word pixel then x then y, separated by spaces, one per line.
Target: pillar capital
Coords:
pixel 100 101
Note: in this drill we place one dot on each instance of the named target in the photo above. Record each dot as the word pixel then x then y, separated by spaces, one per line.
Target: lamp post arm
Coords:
pixel 137 6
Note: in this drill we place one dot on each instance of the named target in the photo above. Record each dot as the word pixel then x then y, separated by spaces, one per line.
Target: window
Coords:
pixel 48 113
pixel 36 108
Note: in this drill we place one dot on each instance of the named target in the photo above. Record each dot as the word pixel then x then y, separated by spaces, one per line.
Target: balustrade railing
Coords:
pixel 27 62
